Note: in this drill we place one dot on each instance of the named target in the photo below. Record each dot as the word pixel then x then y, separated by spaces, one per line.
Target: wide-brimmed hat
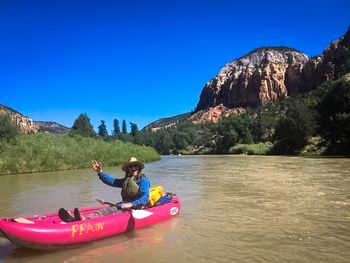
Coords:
pixel 132 161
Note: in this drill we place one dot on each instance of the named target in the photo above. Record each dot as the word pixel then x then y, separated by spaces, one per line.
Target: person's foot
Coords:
pixel 65 215
pixel 77 214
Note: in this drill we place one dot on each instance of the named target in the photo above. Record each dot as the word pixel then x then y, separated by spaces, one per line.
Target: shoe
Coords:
pixel 77 214
pixel 65 215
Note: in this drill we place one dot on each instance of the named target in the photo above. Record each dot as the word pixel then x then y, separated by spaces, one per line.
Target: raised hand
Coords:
pixel 96 166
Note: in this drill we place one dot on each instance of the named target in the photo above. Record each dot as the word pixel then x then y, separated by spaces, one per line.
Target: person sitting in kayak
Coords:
pixel 135 190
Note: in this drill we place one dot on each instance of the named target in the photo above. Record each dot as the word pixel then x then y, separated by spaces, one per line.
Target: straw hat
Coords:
pixel 132 161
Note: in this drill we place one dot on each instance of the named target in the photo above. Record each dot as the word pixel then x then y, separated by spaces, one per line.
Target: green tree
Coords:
pixel 334 117
pixel 292 131
pixel 133 129
pixel 164 141
pixel 145 138
pixel 8 128
pixel 83 126
pixel 265 119
pixel 102 130
pixel 116 128
pixel 181 140
pixel 126 137
pixel 191 129
pixel 233 130
pixel 206 136
pixel 124 127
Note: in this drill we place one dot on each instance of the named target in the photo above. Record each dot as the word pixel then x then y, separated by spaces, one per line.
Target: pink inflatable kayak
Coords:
pixel 47 231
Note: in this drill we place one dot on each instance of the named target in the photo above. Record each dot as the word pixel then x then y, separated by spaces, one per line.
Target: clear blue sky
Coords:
pixel 141 60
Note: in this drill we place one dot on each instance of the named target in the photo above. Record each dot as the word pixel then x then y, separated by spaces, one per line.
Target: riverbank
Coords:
pixel 49 152
pixel 313 148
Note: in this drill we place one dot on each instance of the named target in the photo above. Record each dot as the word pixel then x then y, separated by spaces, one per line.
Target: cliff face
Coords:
pixel 25 124
pixel 267 74
pixel 264 75
pixel 335 60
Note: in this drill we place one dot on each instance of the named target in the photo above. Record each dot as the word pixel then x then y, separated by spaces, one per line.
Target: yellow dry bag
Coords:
pixel 155 193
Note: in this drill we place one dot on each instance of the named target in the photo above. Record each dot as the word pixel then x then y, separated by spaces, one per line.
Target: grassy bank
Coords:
pixel 47 152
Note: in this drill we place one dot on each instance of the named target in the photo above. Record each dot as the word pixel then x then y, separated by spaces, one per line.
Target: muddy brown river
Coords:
pixel 234 209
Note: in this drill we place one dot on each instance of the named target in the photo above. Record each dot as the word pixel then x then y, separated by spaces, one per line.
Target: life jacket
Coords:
pixel 130 189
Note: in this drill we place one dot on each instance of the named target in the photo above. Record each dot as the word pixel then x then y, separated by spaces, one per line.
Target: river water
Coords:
pixel 234 209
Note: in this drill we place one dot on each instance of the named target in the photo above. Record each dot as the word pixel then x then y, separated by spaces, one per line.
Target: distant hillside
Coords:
pixel 166 122
pixel 51 127
pixel 27 125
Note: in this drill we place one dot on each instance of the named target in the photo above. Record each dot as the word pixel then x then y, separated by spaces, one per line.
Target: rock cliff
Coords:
pixel 269 73
pixel 264 75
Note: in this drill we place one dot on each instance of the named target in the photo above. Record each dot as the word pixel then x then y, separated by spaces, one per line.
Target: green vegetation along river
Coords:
pixel 234 209
pixel 49 152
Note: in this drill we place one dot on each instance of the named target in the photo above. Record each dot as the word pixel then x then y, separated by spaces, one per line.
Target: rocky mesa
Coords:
pixel 270 73
pixel 265 75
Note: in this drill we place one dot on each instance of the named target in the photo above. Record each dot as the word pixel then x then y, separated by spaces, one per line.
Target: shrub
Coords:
pixel 251 149
pixel 334 117
pixel 8 128
pixel 292 131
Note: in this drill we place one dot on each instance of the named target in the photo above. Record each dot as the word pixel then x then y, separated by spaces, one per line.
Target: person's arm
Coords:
pixel 107 179
pixel 144 193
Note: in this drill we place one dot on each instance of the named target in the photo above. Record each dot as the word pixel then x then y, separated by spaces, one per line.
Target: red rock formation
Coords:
pixel 214 114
